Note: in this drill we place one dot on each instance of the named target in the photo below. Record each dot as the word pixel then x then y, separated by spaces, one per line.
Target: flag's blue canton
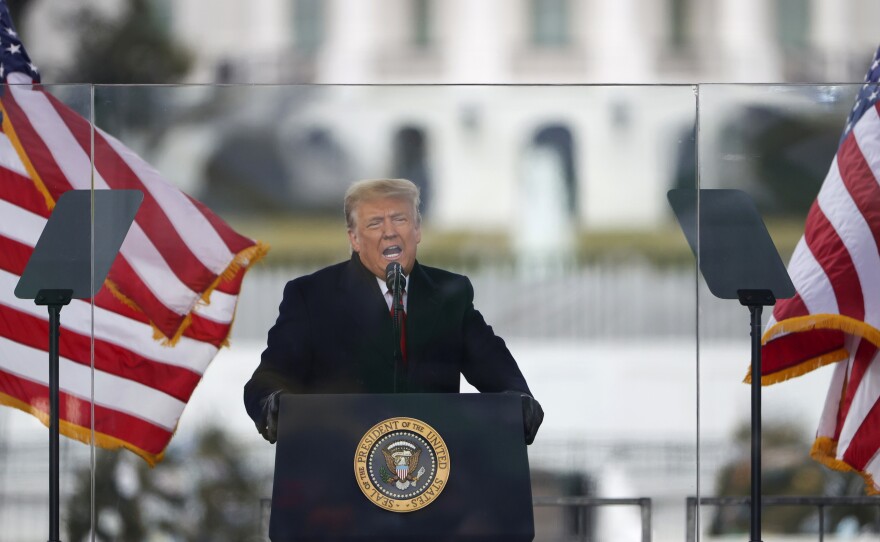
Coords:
pixel 13 57
pixel 867 97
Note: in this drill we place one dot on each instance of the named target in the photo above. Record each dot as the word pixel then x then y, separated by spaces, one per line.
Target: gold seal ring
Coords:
pixel 401 464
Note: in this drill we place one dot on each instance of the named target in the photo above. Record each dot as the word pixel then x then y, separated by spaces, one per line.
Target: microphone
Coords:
pixel 395 281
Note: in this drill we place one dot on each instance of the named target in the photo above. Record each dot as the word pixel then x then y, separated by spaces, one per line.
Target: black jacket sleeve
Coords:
pixel 286 363
pixel 488 365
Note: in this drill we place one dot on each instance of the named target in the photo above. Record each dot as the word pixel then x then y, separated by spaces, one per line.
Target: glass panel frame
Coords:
pixel 619 329
pixel 476 138
pixel 31 186
pixel 776 143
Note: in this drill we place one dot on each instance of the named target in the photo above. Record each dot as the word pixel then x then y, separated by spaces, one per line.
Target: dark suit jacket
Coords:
pixel 334 335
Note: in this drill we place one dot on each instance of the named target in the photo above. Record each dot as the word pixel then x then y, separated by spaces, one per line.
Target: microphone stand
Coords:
pixel 396 311
pixel 396 283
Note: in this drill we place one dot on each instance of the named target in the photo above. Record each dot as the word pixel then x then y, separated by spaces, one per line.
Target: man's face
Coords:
pixel 385 231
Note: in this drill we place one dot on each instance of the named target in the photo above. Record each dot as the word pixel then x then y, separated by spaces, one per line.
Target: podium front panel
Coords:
pixel 317 496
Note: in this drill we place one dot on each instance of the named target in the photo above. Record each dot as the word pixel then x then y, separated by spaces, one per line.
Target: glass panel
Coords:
pixel 552 200
pixel 529 192
pixel 778 143
pixel 33 180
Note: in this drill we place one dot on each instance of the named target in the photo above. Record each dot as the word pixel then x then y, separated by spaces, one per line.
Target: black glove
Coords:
pixel 268 424
pixel 533 415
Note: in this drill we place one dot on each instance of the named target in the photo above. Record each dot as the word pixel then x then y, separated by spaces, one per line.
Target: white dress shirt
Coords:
pixel 383 287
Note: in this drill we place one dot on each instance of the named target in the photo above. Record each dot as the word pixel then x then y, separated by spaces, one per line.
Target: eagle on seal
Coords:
pixel 402 458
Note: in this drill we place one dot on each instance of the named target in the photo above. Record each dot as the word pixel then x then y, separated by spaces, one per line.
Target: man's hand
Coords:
pixel 268 425
pixel 533 415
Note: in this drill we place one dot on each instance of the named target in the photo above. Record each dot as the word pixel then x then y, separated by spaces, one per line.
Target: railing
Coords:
pixel 583 503
pixel 821 503
pixel 596 301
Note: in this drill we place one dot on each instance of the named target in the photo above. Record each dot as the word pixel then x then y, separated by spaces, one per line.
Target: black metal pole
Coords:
pixel 395 336
pixel 54 300
pixel 755 311
pixel 54 507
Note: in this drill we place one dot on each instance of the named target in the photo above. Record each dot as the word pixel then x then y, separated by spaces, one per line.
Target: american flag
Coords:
pixel 167 305
pixel 835 316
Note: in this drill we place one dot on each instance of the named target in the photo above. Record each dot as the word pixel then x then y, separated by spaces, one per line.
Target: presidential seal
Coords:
pixel 401 464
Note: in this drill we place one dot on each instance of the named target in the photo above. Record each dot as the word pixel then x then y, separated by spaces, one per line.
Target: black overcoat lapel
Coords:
pixel 367 317
pixel 423 305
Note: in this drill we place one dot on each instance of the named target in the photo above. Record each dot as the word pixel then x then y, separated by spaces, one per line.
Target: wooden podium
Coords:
pixel 401 467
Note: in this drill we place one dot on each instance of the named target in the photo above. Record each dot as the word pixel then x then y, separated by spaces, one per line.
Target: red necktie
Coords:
pixel 402 328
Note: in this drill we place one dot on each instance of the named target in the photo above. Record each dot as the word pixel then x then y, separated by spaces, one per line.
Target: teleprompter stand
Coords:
pixel 71 260
pixel 738 261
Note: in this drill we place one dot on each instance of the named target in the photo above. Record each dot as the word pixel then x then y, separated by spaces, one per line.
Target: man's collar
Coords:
pixel 383 286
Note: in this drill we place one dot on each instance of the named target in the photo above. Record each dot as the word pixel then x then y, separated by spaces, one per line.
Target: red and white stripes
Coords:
pixel 835 315
pixel 177 278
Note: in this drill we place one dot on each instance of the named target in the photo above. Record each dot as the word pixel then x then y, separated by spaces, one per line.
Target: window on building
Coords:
pixel 410 160
pixel 550 23
pixel 422 12
pixel 556 140
pixel 308 25
pixel 792 23
pixel 679 20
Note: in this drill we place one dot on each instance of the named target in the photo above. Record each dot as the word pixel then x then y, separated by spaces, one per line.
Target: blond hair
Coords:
pixel 372 189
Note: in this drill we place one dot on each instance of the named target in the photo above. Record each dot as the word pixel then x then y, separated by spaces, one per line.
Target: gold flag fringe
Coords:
pixel 80 433
pixel 810 322
pixel 243 259
pixel 800 369
pixel 836 322
pixel 9 130
pixel 825 452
